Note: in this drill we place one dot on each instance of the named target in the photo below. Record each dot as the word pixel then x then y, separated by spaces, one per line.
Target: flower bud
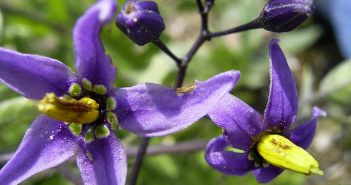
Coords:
pixel 285 15
pixel 140 21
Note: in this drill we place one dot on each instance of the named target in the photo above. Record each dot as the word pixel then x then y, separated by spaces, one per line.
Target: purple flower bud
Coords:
pixel 140 21
pixel 285 15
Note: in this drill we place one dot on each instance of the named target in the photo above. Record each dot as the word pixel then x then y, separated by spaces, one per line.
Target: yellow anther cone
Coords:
pixel 85 110
pixel 281 152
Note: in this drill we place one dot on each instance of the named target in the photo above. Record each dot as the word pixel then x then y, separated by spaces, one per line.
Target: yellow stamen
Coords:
pixel 281 152
pixel 66 109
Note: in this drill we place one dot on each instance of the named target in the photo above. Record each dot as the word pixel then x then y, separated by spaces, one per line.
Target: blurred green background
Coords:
pixel 323 77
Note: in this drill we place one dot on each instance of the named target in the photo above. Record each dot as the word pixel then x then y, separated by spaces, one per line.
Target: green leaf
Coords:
pixel 337 83
pixel 6 93
pixel 15 116
pixel 165 165
pixel 306 90
pixel 299 40
pixel 1 26
pixel 160 66
pixel 15 109
pixel 57 10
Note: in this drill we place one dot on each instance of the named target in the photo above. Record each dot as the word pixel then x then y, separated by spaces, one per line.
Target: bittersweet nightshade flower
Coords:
pixel 285 15
pixel 140 21
pixel 81 109
pixel 268 144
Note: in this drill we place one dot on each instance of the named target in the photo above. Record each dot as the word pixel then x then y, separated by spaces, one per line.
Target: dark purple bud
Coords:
pixel 285 15
pixel 140 21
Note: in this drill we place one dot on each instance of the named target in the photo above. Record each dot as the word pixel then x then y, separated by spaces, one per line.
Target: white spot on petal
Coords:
pixel 105 10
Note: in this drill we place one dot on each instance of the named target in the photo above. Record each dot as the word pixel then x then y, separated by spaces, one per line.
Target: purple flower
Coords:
pixel 285 15
pixel 140 21
pixel 87 108
pixel 246 130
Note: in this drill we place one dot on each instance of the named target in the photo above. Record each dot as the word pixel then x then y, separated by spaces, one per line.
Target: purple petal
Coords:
pixel 304 133
pixel 91 61
pixel 266 174
pixel 31 75
pixel 154 110
pixel 47 143
pixel 241 123
pixel 103 162
pixel 282 104
pixel 227 162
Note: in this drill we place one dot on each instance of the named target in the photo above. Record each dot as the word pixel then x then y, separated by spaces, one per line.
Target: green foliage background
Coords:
pixel 45 27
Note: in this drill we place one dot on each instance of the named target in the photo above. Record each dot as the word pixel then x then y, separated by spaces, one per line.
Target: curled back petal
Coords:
pixel 227 162
pixel 31 75
pixel 282 104
pixel 103 162
pixel 266 174
pixel 47 143
pixel 241 123
pixel 155 110
pixel 91 61
pixel 304 133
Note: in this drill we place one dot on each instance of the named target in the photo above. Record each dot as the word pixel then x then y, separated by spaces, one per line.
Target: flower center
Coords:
pixel 281 152
pixel 88 110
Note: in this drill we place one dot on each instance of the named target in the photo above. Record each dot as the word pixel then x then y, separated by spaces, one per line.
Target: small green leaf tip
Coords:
pixel 112 119
pixel 74 90
pixel 87 84
pixel 100 89
pixel 75 128
pixel 111 103
pixel 102 131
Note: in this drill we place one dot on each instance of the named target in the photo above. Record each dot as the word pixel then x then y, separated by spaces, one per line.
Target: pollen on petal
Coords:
pixel 182 90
